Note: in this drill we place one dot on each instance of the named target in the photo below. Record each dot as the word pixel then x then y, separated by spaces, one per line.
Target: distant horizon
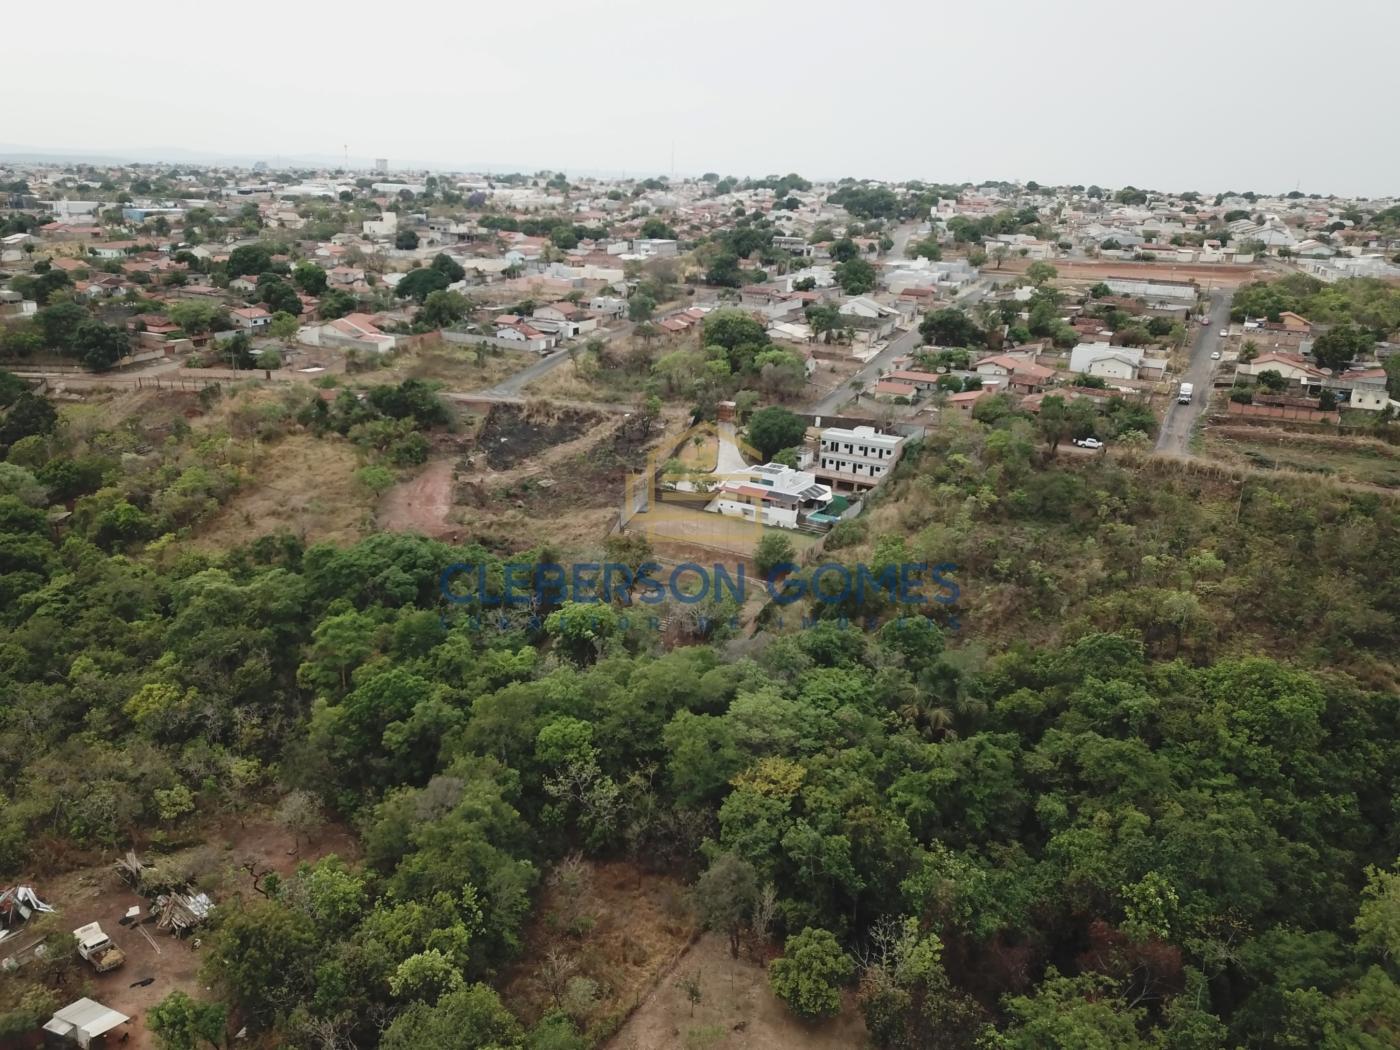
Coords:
pixel 13 154
pixel 1203 94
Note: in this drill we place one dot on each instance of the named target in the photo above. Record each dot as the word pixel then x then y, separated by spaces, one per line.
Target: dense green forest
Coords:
pixel 1144 796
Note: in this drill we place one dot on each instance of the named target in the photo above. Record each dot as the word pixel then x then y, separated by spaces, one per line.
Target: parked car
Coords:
pixel 97 948
pixel 1215 355
pixel 1224 333
pixel 1088 442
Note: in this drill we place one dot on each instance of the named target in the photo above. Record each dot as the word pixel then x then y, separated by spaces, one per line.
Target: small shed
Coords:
pixel 80 1023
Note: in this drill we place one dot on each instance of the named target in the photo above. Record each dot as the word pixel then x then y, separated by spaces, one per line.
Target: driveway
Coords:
pixel 1180 421
pixel 730 460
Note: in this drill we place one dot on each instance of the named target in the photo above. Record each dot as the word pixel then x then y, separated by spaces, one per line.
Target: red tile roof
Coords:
pixel 895 389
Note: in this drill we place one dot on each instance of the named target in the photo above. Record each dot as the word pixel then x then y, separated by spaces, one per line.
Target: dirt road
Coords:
pixel 420 504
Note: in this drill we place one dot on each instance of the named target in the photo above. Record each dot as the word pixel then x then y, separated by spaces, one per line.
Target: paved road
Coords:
pixel 1175 438
pixel 899 346
pixel 870 373
pixel 901 236
pixel 512 385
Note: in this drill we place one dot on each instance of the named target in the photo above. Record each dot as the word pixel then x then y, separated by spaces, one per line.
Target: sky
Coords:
pixel 1263 95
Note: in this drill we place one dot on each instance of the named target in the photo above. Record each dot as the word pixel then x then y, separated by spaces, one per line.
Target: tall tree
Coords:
pixel 445 264
pixel 419 284
pixel 950 327
pixel 310 278
pixel 725 895
pixel 1340 345
pixel 856 276
pixel 773 428
pixel 99 346
pixel 249 258
pixel 183 1023
pixel 809 975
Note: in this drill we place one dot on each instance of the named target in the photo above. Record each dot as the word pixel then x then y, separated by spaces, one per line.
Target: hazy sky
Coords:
pixel 1207 94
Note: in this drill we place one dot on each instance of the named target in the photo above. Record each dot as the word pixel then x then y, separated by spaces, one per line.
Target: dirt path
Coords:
pixel 1226 275
pixel 737 1011
pixel 422 503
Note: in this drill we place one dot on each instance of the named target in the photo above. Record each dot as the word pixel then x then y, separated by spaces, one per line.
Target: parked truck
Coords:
pixel 97 948
pixel 1183 395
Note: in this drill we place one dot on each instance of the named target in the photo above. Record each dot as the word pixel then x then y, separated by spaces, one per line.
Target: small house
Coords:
pixel 251 318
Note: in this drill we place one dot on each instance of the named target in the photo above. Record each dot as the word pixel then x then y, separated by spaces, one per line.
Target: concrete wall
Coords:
pixel 1148 289
pixel 468 339
pixel 1304 415
pixel 730 507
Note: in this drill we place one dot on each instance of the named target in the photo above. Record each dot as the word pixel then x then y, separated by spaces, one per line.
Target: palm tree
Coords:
pixel 943 685
pixel 988 313
pixel 925 714
pixel 938 399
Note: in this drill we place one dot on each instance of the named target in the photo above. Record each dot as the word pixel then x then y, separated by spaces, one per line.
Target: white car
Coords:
pixel 1215 356
pixel 1088 443
pixel 1224 333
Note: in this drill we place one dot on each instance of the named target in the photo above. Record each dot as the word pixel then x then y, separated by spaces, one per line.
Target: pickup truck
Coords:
pixel 1183 396
pixel 97 948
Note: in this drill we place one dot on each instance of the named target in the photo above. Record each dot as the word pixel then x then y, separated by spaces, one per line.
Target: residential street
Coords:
pixel 900 345
pixel 1175 438
pixel 513 385
pixel 902 235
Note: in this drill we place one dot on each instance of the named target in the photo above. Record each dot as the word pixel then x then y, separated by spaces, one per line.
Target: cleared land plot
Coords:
pixel 302 484
pixel 828 376
pixel 459 367
pixel 697 529
pixel 1366 461
pixel 621 375
pixel 521 477
pixel 95 892
pixel 511 435
pixel 608 923
pixel 737 1011
pixel 1201 273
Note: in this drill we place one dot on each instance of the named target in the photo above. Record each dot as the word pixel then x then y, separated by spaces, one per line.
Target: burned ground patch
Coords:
pixel 513 434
